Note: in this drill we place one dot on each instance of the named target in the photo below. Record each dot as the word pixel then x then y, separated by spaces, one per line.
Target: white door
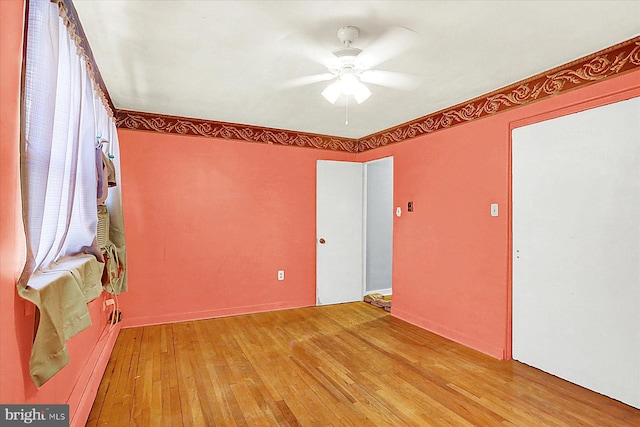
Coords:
pixel 339 232
pixel 576 248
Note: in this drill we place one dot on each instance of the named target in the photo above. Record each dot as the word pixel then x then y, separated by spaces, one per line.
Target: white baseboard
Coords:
pixel 86 388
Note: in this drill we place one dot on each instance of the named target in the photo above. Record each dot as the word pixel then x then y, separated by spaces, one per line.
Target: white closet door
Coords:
pixel 576 243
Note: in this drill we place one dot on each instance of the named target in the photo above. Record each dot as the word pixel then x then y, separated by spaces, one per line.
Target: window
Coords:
pixel 64 120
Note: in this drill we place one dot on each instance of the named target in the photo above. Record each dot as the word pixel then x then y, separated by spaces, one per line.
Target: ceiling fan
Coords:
pixel 350 68
pixel 347 69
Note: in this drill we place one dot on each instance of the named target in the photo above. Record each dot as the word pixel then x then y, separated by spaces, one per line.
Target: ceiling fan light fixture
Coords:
pixel 351 85
pixel 332 92
pixel 361 93
pixel 347 84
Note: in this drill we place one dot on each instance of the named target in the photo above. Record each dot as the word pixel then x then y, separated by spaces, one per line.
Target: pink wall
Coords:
pixel 209 223
pixel 450 255
pixel 15 331
pixel 77 383
pixel 451 261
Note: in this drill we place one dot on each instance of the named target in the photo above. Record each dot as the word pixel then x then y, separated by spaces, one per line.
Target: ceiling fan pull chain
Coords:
pixel 346 114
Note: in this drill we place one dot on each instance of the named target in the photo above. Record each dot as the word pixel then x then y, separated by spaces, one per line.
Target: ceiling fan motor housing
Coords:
pixel 346 56
pixel 347 51
pixel 348 34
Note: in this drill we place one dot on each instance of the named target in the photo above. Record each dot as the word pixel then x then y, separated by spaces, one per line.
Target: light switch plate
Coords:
pixel 494 209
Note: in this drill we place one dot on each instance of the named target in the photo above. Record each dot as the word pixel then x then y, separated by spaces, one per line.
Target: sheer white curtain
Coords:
pixel 59 147
pixel 62 118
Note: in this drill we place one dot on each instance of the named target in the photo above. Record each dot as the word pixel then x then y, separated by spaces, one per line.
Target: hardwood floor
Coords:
pixel 349 364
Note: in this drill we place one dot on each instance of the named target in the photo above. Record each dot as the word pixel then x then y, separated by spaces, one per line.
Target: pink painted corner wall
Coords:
pixel 15 332
pixel 209 222
pixel 451 259
pixel 449 254
pixel 77 383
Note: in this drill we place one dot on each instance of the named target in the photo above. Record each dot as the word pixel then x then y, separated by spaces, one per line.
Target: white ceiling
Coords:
pixel 231 60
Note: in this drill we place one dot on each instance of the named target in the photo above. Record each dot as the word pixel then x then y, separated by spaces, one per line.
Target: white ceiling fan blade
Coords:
pixel 393 42
pixel 303 45
pixel 390 79
pixel 306 80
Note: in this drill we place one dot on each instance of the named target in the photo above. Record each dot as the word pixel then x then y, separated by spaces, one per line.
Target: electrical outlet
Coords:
pixel 108 302
pixel 280 274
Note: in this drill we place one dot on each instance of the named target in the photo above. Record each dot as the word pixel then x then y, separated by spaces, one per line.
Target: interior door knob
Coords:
pixel 322 241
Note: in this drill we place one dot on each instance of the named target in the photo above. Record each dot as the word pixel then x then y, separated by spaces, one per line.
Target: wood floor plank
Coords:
pixel 340 365
pixel 118 401
pixel 107 379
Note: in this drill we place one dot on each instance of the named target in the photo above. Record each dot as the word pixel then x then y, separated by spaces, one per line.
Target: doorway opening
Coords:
pixel 354 230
